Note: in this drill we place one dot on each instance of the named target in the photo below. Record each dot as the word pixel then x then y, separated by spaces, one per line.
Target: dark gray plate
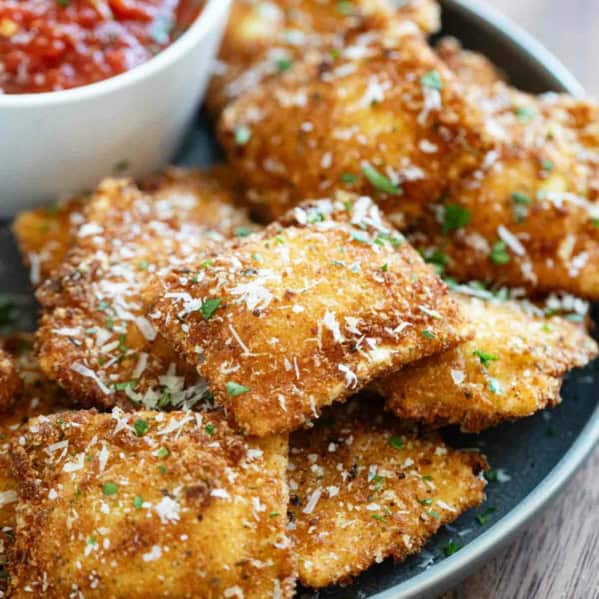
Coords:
pixel 539 454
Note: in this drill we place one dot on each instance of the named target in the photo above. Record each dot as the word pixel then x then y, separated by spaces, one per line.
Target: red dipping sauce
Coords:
pixel 50 45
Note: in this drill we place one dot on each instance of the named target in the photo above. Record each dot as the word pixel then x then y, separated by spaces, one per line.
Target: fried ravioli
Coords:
pixel 511 368
pixel 305 313
pixel 149 505
pixel 44 234
pixel 384 117
pixel 36 396
pixel 263 39
pixel 365 487
pixel 94 338
pixel 529 216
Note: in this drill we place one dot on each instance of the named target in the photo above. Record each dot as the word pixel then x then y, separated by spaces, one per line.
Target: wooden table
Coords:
pixel 558 556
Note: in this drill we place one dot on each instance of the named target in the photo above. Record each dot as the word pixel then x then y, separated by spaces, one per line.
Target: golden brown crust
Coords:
pixel 44 235
pixel 307 312
pixel 94 338
pixel 10 383
pixel 150 504
pixel 511 368
pixel 263 39
pixel 471 68
pixel 365 487
pixel 37 396
pixel 387 107
pixel 532 208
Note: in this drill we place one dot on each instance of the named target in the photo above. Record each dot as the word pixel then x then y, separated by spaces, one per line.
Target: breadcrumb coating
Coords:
pixel 305 313
pixel 365 487
pixel 150 504
pixel 512 367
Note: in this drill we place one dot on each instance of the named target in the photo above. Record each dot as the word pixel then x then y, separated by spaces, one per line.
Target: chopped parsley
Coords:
pixel 378 517
pixel 525 114
pixel 348 178
pixel 499 254
pixel 433 514
pixel 109 489
pixel 242 232
pixel 385 267
pixel 547 165
pixel 485 357
pixel 432 80
pixel 427 334
pixel 437 258
pixel 209 307
pixel 455 217
pixel 396 442
pixel 483 518
pixel 163 452
pixel 380 181
pixel 345 7
pixel 122 386
pixel 427 501
pixel 242 135
pixel 595 222
pixel 234 389
pixel 521 203
pixel 209 428
pixel 284 64
pixel 141 427
pixel 138 502
pixel 451 548
pixel 495 386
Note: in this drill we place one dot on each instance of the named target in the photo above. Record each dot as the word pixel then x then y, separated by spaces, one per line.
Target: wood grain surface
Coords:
pixel 558 555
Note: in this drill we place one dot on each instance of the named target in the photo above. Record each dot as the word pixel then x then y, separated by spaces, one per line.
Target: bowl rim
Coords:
pixel 208 19
pixel 454 569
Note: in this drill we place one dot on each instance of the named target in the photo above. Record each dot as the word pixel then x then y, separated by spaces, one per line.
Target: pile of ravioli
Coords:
pixel 239 374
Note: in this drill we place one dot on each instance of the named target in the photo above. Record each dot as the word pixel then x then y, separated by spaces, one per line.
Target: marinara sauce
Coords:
pixel 49 45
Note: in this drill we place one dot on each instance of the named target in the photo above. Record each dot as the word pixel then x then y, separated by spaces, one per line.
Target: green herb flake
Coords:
pixel 525 114
pixel 209 428
pixel 284 64
pixel 433 514
pixel 427 501
pixel 138 502
pixel 483 518
pixel 109 489
pixel 547 165
pixel 234 389
pixel 455 217
pixel 495 386
pixel 141 427
pixel 348 178
pixel 451 548
pixel 595 222
pixel 380 181
pixel 163 453
pixel 242 232
pixel 273 515
pixel 378 517
pixel 92 541
pixel 62 3
pixel 242 135
pixel 385 267
pixel 427 334
pixel 432 80
pixel 209 307
pixel 396 442
pixel 162 469
pixel 122 386
pixel 499 254
pixel 345 7
pixel 485 357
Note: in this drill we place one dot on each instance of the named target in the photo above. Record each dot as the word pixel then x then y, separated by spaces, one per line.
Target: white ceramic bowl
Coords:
pixel 56 143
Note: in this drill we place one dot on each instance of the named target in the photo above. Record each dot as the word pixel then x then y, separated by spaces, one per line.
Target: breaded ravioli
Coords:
pixel 149 504
pixel 36 396
pixel 44 235
pixel 365 487
pixel 10 383
pixel 512 367
pixel 263 39
pixel 94 338
pixel 307 312
pixel 384 117
pixel 529 216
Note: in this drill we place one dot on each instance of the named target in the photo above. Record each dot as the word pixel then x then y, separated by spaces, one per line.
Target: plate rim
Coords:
pixel 454 569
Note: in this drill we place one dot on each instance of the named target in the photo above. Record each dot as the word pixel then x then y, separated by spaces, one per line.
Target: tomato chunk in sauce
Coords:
pixel 49 45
